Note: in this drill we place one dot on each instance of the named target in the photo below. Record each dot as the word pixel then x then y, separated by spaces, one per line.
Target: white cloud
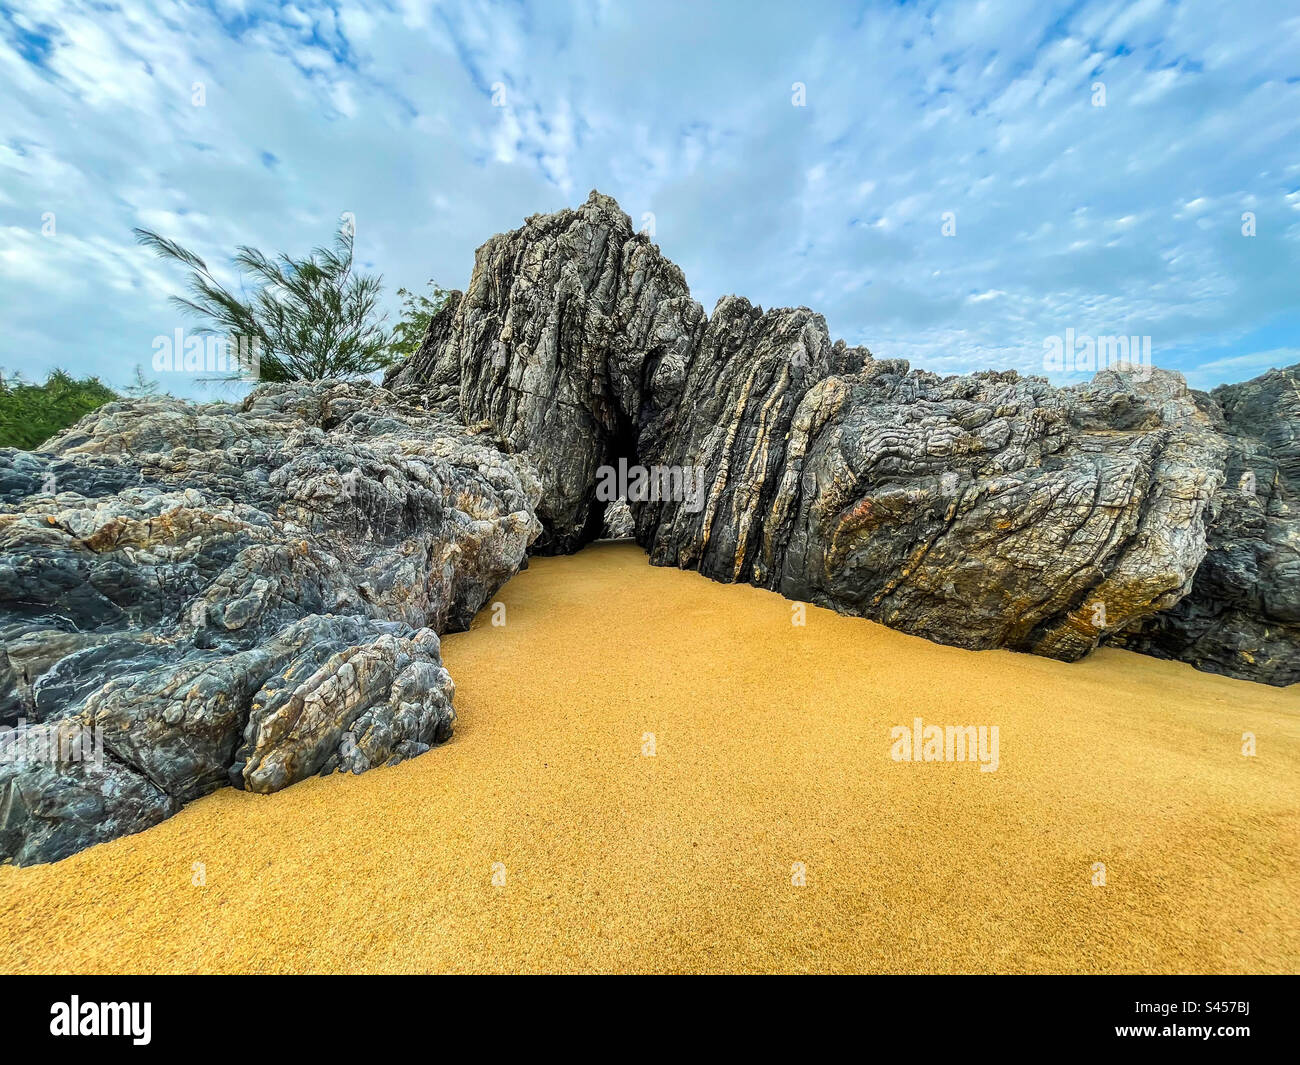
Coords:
pixel 1242 367
pixel 1117 219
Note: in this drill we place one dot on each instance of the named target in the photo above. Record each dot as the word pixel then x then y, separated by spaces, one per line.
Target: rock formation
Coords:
pixel 253 593
pixel 618 521
pixel 1242 616
pixel 551 345
pixel 988 510
pixel 237 594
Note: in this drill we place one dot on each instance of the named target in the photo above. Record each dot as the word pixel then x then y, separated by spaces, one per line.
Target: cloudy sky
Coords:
pixel 437 125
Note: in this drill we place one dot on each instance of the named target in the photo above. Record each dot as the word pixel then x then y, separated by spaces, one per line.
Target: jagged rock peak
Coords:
pixel 986 510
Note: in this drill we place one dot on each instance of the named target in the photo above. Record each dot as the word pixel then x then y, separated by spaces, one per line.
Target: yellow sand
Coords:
pixel 772 747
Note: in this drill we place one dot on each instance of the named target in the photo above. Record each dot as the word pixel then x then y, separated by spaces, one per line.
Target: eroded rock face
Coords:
pixel 552 344
pixel 988 510
pixel 1242 616
pixel 247 594
pixel 253 593
pixel 984 511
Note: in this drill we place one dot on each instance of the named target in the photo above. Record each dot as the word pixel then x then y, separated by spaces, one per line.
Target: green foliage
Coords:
pixel 31 414
pixel 418 310
pixel 141 387
pixel 313 318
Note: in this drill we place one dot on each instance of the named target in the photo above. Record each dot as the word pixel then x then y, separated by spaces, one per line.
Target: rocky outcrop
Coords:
pixel 983 511
pixel 253 593
pixel 989 510
pixel 1242 615
pixel 431 365
pixel 248 594
pixel 552 344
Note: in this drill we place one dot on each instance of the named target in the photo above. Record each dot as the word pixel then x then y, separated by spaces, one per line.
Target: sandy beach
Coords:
pixel 652 772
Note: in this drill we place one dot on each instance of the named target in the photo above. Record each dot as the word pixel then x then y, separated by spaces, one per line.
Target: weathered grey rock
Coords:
pixel 50 809
pixel 989 510
pixel 350 695
pixel 253 593
pixel 248 594
pixel 1242 616
pixel 982 511
pixel 562 324
pixel 619 524
pixel 433 365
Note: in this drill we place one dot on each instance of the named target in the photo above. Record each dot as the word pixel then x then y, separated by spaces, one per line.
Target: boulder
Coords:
pixel 1242 615
pixel 246 594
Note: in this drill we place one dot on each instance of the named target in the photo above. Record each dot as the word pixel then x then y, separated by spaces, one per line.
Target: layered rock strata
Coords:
pixel 245 594
pixel 253 593
pixel 985 510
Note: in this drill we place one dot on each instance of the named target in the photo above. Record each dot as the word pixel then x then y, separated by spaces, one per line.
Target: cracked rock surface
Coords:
pixel 252 593
pixel 246 594
pixel 983 510
pixel 1242 616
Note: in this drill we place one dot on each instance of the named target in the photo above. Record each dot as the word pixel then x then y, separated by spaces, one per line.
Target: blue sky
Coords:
pixel 1117 219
